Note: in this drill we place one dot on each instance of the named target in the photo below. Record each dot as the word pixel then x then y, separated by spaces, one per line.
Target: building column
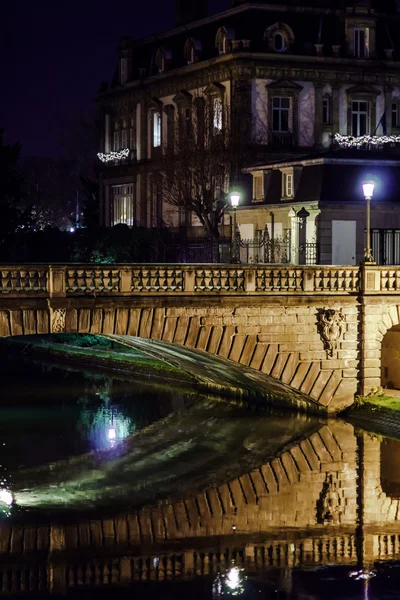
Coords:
pixel 107 206
pixel 388 107
pixel 294 237
pixel 318 115
pixel 335 109
pixel 107 133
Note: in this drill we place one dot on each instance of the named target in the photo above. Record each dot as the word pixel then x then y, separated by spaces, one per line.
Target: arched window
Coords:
pixel 163 59
pixel 223 38
pixel 279 42
pixel 192 50
pixel 279 37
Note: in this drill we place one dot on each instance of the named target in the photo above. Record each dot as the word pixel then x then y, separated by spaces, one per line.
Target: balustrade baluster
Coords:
pixel 156 284
pixel 148 282
pixel 174 284
pixel 166 279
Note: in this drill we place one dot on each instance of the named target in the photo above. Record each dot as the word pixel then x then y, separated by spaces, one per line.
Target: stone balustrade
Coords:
pixel 78 280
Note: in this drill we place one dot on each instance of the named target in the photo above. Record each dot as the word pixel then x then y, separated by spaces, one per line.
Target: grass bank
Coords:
pixel 378 412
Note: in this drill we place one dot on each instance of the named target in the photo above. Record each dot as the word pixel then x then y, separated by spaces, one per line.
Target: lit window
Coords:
pixel 326 111
pixel 359 117
pixel 156 129
pixel 280 114
pixel 287 184
pixel 361 43
pixel 217 114
pixel 122 204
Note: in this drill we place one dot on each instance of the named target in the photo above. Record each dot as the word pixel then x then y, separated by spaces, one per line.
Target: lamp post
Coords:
pixel 235 199
pixel 368 189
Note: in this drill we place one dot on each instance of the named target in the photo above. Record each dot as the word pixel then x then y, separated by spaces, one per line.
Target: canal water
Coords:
pixel 141 487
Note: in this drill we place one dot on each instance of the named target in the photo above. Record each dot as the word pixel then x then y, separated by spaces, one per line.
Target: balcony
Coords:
pixel 281 139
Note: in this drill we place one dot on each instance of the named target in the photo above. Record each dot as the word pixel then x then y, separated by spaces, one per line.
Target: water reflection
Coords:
pixel 196 498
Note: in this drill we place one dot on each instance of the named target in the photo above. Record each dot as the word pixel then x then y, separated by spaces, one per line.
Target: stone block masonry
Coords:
pixel 317 329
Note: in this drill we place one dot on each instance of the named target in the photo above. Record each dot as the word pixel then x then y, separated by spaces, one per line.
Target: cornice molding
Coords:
pixel 127 98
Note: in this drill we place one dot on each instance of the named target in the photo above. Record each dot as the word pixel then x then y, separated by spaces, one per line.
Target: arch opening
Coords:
pixel 390 359
pixel 390 468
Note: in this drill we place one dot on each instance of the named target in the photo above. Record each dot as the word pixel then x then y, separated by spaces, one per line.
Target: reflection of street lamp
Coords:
pixel 368 189
pixel 234 198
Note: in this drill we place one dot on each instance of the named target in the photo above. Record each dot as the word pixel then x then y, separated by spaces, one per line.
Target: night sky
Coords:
pixel 54 56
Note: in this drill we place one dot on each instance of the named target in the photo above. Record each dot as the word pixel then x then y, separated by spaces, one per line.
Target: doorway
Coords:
pixel 344 242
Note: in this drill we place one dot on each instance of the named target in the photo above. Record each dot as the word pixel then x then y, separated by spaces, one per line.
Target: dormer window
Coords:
pixel 192 51
pixel 361 42
pixel 287 183
pixel 279 42
pixel 223 38
pixel 279 37
pixel 163 58
pixel 258 186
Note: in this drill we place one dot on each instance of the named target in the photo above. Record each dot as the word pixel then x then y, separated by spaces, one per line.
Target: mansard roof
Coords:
pixel 312 22
pixel 321 172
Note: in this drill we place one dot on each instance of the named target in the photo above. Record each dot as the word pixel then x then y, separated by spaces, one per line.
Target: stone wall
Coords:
pixel 317 329
pixel 275 336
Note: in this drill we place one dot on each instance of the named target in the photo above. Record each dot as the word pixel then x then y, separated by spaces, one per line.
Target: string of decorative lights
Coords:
pixel 112 156
pixel 349 141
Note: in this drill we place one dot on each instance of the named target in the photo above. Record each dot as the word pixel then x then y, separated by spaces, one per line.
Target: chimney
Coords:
pixel 190 10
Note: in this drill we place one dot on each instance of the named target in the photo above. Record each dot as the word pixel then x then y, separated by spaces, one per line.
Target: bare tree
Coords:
pixel 201 160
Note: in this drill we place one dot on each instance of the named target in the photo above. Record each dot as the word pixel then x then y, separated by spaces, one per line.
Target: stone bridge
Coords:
pixel 316 329
pixel 331 497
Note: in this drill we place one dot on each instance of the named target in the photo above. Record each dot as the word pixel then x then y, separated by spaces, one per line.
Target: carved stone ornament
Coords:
pixel 57 318
pixel 330 502
pixel 330 327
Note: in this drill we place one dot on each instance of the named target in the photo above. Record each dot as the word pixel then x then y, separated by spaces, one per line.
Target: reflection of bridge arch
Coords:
pixel 268 518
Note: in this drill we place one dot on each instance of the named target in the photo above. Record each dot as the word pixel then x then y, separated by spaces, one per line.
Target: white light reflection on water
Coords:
pixel 230 583
pixel 6 501
pixel 106 426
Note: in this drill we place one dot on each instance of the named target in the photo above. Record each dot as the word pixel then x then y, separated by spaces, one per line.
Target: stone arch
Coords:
pixel 378 320
pixel 390 358
pixel 277 340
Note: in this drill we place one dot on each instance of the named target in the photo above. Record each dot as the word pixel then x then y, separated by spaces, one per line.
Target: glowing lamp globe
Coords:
pixel 235 198
pixel 368 189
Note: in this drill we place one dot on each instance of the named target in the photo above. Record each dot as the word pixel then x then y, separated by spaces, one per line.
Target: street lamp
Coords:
pixel 368 189
pixel 234 198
